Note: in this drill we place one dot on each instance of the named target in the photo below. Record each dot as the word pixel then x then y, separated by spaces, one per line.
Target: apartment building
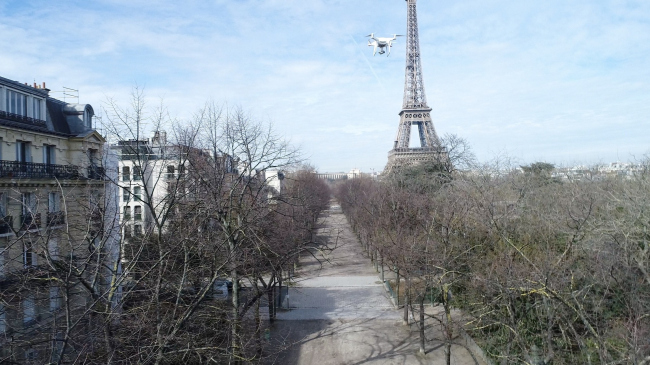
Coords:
pixel 155 177
pixel 52 188
pixel 149 170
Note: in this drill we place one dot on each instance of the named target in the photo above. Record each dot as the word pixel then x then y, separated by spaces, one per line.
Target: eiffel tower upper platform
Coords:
pixel 415 110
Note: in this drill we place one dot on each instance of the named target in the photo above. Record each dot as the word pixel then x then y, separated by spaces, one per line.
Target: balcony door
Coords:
pixel 23 151
pixel 49 158
pixel 48 154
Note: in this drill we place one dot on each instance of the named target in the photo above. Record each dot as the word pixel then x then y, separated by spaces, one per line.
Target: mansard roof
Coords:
pixel 61 118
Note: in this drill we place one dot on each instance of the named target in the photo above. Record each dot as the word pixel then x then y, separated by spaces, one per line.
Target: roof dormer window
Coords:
pixel 16 103
pixel 88 117
pixel 36 109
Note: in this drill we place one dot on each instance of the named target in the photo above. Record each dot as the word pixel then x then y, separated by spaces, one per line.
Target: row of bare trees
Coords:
pixel 154 294
pixel 545 270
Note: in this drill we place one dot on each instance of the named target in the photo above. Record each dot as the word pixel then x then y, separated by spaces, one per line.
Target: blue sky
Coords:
pixel 559 81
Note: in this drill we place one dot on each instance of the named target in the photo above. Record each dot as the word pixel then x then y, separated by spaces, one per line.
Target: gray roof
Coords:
pixel 58 118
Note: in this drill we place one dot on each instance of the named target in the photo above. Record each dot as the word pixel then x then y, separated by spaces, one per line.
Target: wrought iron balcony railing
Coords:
pixel 30 221
pixel 55 218
pixel 31 170
pixel 22 119
pixel 6 224
pixel 96 172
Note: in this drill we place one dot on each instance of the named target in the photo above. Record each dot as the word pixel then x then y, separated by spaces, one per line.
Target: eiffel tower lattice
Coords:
pixel 415 110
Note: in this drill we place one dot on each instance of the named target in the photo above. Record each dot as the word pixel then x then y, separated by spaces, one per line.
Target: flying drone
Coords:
pixel 382 43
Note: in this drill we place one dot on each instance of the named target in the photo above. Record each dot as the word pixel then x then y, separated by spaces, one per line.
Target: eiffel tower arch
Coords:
pixel 415 111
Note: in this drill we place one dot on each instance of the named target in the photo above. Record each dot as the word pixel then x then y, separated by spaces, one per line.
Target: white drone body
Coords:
pixel 382 43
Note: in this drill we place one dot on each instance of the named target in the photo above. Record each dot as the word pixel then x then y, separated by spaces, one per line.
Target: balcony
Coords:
pixel 96 172
pixel 22 119
pixel 31 170
pixel 6 224
pixel 30 221
pixel 55 218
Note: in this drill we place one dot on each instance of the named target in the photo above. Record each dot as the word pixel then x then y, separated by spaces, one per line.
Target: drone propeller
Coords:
pixel 398 35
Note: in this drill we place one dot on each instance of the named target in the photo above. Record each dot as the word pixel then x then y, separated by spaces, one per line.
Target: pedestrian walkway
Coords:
pixel 340 313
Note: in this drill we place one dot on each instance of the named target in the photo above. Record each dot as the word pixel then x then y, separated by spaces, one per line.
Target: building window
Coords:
pixel 3 205
pixel 54 214
pixel 16 103
pixel 137 193
pixel 54 202
pixel 137 173
pixel 137 229
pixel 53 248
pixel 30 218
pixel 48 154
pixel 55 300
pixel 2 261
pixel 126 173
pixel 29 203
pixel 30 258
pixel 6 222
pixel 36 108
pixel 170 171
pixel 88 118
pixel 126 194
pixel 3 319
pixel 23 151
pixel 137 213
pixel 181 170
pixel 29 309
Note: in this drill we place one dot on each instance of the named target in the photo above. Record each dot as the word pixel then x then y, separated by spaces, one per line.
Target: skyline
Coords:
pixel 556 82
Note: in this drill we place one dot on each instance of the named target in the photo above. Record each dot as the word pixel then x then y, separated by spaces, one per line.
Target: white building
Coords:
pixel 353 174
pixel 275 181
pixel 146 168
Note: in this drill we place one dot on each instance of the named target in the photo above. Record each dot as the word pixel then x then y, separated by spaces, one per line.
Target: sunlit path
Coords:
pixel 340 312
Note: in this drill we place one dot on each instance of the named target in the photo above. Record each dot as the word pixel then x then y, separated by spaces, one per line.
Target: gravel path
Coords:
pixel 340 313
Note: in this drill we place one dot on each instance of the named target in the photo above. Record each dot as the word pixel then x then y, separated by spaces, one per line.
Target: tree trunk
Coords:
pixel 234 332
pixel 280 289
pixel 449 330
pixel 258 332
pixel 407 301
pixel 377 260
pixel 271 298
pixel 422 338
pixel 397 286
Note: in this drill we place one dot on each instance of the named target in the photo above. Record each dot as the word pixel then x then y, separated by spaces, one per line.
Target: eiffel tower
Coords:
pixel 415 110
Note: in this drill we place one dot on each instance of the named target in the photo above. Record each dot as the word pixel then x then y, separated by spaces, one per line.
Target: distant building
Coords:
pixel 275 181
pixel 154 174
pixel 615 169
pixel 353 174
